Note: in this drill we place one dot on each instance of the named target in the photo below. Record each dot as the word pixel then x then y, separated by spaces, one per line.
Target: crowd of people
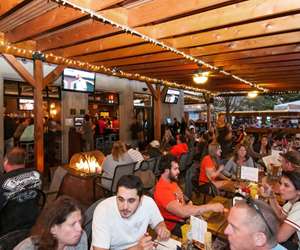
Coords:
pixel 121 221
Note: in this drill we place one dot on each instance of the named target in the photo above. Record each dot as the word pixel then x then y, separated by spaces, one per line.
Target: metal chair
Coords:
pixel 21 210
pixel 120 170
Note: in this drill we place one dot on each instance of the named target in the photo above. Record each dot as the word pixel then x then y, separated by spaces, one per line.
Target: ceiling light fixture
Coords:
pixel 252 94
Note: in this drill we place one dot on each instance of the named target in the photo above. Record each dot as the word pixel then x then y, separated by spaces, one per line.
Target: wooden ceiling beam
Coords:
pixel 155 65
pixel 263 65
pixel 73 34
pixel 265 70
pixel 122 53
pixel 140 59
pixel 246 44
pixel 6 6
pixel 247 54
pixel 53 75
pixel 171 68
pixel 266 59
pixel 19 68
pixel 116 41
pixel 53 19
pixel 265 27
pixel 240 12
pixel 157 10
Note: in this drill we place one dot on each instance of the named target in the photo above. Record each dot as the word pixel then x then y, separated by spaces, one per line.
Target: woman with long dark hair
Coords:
pixel 57 228
pixel 289 214
pixel 240 158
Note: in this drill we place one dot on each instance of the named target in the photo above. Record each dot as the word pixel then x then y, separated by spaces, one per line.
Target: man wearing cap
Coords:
pixel 153 149
pixel 290 161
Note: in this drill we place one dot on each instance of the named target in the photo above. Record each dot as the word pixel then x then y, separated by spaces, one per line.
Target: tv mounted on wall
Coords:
pixel 78 80
pixel 172 96
pixel 25 104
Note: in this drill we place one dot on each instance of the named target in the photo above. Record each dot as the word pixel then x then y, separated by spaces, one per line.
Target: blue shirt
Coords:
pixel 278 247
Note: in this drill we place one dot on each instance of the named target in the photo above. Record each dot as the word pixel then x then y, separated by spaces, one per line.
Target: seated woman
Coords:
pixel 209 169
pixel 58 228
pixel 263 147
pixel 289 214
pixel 240 158
pixel 118 156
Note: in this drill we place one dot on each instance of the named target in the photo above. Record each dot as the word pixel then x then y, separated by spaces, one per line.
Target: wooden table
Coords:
pixel 217 222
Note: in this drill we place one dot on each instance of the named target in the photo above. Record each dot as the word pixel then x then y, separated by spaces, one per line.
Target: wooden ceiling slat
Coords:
pixel 157 10
pixel 141 59
pixel 124 52
pixel 252 43
pixel 281 24
pixel 74 34
pixel 266 59
pixel 241 12
pixel 263 65
pixel 6 6
pixel 119 40
pixel 266 69
pixel 51 20
pixel 32 10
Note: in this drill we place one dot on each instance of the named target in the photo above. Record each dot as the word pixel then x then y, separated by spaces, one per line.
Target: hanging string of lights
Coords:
pixel 59 60
pixel 146 38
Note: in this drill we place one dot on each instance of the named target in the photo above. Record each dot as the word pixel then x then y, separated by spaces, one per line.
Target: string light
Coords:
pixel 51 58
pixel 127 29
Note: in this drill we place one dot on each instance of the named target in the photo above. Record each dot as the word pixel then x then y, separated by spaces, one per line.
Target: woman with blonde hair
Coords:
pixel 118 156
pixel 210 171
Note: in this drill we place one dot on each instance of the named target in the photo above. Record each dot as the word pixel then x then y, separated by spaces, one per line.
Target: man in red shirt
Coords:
pixel 180 148
pixel 171 201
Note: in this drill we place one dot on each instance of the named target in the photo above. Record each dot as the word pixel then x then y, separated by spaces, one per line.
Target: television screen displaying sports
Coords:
pixel 172 96
pixel 78 80
pixel 26 104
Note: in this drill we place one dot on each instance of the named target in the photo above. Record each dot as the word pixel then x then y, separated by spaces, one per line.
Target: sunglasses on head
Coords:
pixel 251 203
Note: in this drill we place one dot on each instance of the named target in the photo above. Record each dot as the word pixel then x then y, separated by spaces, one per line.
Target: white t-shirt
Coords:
pixel 111 231
pixel 293 216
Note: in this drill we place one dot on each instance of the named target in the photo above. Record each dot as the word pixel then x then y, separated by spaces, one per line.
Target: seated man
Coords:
pixel 290 161
pixel 121 221
pixel 17 179
pixel 170 199
pixel 252 226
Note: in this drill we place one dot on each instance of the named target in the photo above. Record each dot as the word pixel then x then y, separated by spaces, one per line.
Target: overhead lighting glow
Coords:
pixel 201 78
pixel 252 94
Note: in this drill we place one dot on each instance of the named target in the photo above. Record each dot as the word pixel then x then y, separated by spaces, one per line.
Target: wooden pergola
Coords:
pixel 246 45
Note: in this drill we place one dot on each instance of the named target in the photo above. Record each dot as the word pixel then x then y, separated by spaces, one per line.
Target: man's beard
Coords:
pixel 173 178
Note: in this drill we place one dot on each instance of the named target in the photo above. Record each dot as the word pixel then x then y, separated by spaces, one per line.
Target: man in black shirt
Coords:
pixel 18 206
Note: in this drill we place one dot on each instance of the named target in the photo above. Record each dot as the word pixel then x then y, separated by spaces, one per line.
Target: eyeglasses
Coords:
pixel 250 202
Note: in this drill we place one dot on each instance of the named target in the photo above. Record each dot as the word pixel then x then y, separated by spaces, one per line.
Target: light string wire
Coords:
pixel 127 29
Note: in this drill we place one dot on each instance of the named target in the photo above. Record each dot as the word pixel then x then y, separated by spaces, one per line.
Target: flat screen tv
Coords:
pixel 78 121
pixel 78 80
pixel 172 96
pixel 25 104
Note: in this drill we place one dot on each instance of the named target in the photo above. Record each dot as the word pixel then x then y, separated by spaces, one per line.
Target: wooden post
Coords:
pixel 38 115
pixel 207 98
pixel 157 114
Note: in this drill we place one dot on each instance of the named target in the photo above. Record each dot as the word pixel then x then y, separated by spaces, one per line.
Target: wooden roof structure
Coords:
pixel 162 41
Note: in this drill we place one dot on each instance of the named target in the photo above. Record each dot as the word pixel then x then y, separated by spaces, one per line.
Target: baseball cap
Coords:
pixel 155 144
pixel 292 156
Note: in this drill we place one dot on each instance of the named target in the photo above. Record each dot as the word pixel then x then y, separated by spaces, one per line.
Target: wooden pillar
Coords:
pixel 38 115
pixel 207 98
pixel 157 114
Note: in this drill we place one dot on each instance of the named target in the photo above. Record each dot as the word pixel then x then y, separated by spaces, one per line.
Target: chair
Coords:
pixel 120 170
pixel 12 239
pixel 182 162
pixel 21 210
pixel 148 164
pixel 156 170
pixel 88 219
